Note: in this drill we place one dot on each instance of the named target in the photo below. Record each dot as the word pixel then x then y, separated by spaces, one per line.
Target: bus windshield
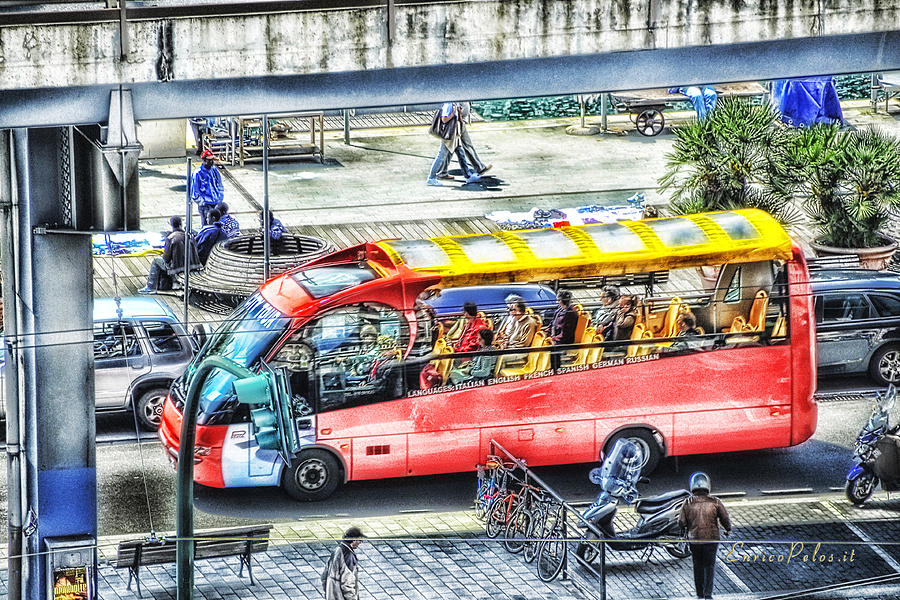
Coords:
pixel 243 338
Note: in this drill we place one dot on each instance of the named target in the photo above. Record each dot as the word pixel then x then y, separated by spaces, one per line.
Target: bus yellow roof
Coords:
pixel 746 235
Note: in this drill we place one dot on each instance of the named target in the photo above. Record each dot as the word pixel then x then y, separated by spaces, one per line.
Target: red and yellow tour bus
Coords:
pixel 746 383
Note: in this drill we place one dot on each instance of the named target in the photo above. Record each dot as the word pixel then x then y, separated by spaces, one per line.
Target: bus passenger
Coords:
pixel 467 327
pixel 562 328
pixel 522 329
pixel 361 364
pixel 626 317
pixel 686 323
pixel 605 316
pixel 480 367
pixel 508 322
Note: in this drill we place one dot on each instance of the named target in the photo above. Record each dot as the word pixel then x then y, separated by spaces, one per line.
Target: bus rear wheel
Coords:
pixel 644 440
pixel 314 475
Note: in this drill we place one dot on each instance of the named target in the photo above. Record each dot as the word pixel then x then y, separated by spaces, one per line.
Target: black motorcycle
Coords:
pixel 617 478
pixel 877 451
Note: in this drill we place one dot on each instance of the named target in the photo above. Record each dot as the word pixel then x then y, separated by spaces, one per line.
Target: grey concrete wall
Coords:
pixel 331 41
pixel 163 138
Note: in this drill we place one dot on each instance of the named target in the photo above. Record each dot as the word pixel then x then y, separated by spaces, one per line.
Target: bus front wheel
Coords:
pixel 314 475
pixel 644 440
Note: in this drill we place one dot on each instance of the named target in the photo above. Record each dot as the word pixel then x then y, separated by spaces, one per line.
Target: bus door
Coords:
pixel 344 365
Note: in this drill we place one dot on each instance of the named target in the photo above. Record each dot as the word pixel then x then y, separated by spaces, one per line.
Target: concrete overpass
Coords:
pixel 56 67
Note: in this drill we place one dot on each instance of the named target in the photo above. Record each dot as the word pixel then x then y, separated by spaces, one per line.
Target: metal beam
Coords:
pixel 859 53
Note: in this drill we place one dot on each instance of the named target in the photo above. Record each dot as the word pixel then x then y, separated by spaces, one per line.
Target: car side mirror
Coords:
pixel 199 334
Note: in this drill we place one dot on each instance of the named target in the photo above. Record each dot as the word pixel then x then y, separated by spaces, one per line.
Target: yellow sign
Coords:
pixel 70 584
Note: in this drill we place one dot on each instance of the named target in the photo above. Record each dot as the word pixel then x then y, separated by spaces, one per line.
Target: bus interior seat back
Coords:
pixel 738 324
pixel 582 354
pixel 636 334
pixel 669 326
pixel 531 362
pixel 645 349
pixel 596 353
pixel 780 328
pixel 757 318
pixel 543 360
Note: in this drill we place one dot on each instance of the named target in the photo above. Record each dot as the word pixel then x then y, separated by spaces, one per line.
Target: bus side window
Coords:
pixel 733 293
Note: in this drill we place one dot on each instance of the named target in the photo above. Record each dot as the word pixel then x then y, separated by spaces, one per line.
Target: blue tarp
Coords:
pixel 807 100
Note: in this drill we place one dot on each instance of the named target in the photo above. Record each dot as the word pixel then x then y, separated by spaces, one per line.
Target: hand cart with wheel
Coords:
pixel 645 107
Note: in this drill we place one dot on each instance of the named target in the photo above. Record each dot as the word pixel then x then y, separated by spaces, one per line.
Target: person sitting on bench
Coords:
pixel 172 261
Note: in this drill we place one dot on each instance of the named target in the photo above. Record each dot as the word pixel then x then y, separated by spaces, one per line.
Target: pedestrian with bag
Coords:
pixel 465 113
pixel 340 579
pixel 701 515
pixel 206 186
pixel 447 125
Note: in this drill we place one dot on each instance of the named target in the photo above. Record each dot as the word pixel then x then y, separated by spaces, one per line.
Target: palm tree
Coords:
pixel 847 181
pixel 724 162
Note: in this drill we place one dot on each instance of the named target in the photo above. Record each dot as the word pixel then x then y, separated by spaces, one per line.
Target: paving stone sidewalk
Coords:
pixel 446 555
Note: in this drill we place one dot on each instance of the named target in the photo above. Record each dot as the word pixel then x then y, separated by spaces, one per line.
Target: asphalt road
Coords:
pixel 136 485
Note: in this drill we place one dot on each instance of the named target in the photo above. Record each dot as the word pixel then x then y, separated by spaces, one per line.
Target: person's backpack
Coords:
pixel 438 128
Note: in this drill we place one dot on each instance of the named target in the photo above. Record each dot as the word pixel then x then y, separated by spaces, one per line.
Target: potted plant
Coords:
pixel 724 162
pixel 848 182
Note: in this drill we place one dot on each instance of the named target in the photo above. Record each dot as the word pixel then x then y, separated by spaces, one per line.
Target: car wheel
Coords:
pixel 149 408
pixel 644 440
pixel 314 475
pixel 885 365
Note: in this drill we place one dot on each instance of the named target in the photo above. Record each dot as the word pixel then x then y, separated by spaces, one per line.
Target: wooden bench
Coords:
pixel 236 541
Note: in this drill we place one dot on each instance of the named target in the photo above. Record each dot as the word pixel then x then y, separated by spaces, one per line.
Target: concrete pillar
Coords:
pixel 57 392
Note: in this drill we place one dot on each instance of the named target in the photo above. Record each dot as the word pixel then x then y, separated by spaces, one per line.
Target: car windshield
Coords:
pixel 247 334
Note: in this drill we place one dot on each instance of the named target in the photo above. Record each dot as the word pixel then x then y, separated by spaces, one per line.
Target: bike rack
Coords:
pixel 566 511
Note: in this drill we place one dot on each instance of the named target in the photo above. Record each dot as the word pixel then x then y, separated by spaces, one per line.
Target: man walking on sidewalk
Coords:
pixel 340 578
pixel 701 515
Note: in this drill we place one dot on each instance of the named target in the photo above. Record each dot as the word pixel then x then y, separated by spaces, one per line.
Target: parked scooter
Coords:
pixel 877 450
pixel 617 478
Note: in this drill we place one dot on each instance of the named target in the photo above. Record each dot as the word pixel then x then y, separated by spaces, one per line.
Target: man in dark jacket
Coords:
pixel 210 235
pixel 562 329
pixel 701 515
pixel 172 260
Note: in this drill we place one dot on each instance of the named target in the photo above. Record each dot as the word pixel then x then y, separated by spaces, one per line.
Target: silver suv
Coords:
pixel 137 355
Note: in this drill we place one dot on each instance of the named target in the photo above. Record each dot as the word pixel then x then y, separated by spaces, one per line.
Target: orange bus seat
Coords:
pixel 531 363
pixel 757 319
pixel 646 349
pixel 780 328
pixel 636 334
pixel 581 355
pixel 543 360
pixel 738 324
pixel 595 354
pixel 668 327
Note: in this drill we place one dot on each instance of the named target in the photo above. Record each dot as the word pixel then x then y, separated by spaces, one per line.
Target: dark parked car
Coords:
pixel 491 298
pixel 858 323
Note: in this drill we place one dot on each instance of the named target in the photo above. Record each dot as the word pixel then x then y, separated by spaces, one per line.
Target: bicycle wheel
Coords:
pixel 484 497
pixel 551 556
pixel 496 521
pixel 517 530
pixel 535 533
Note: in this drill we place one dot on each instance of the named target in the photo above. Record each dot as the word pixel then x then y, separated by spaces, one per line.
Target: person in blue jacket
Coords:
pixel 703 98
pixel 209 236
pixel 206 186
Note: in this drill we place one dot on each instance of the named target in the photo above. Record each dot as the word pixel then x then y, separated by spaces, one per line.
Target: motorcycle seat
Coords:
pixel 654 503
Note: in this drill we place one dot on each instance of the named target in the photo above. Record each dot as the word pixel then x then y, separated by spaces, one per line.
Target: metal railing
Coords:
pixel 567 512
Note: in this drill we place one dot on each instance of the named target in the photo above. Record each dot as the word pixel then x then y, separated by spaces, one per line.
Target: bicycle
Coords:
pixel 520 522
pixel 502 508
pixel 492 478
pixel 551 554
pixel 546 512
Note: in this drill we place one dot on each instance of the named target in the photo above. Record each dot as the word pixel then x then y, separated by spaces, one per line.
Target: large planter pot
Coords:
pixel 869 258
